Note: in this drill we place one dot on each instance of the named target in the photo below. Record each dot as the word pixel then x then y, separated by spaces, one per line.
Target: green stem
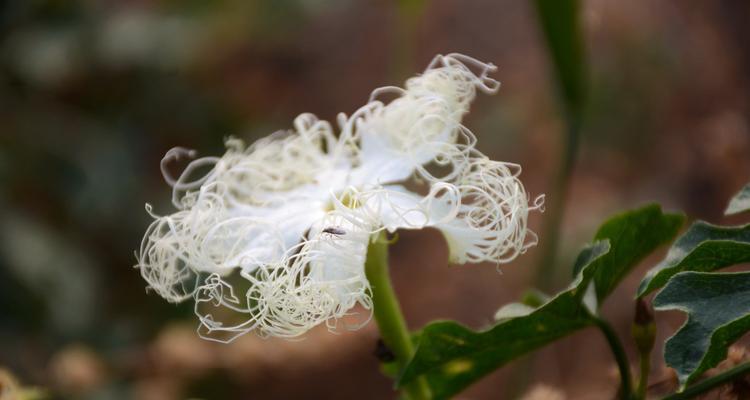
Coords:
pixel 643 332
pixel 405 29
pixel 645 370
pixel 712 382
pixel 626 385
pixel 546 272
pixel 387 313
pixel 555 208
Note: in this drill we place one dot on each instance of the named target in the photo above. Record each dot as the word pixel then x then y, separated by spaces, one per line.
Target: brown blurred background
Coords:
pixel 92 94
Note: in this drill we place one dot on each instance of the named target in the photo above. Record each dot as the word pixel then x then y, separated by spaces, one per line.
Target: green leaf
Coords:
pixel 561 26
pixel 534 298
pixel 704 247
pixel 740 202
pixel 452 356
pixel 530 301
pixel 718 308
pixel 637 234
pixel 513 310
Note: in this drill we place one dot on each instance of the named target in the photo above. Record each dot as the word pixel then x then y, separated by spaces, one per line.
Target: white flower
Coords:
pixel 274 238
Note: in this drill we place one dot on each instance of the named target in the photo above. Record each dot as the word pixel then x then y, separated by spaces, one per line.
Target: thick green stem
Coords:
pixel 626 383
pixel 712 382
pixel 388 315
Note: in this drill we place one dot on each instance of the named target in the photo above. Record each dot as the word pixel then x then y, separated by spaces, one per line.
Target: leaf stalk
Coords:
pixel 626 383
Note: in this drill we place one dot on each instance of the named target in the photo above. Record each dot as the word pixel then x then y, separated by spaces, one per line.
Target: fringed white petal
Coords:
pixel 422 124
pixel 163 260
pixel 394 207
pixel 483 215
pixel 177 249
pixel 319 281
pixel 491 223
pixel 248 206
pixel 273 171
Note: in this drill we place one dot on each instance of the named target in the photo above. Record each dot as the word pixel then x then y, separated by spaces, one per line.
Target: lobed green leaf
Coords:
pixel 718 308
pixel 704 247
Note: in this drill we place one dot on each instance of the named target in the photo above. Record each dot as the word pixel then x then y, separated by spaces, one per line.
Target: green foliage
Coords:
pixel 718 308
pixel 740 202
pixel 704 247
pixel 718 305
pixel 452 356
pixel 639 233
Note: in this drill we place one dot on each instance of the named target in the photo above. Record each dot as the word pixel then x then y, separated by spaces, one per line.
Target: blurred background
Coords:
pixel 93 93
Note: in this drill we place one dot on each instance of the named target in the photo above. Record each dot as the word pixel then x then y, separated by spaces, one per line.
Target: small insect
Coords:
pixel 334 231
pixel 383 352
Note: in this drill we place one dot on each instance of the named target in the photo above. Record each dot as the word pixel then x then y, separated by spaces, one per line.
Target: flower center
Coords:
pixel 347 198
